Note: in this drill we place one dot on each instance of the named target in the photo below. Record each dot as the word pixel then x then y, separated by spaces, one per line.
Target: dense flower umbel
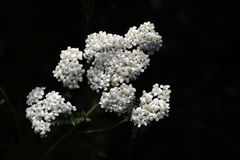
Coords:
pixel 114 59
pixel 68 70
pixel 35 95
pixel 153 106
pixel 118 98
pixel 144 37
pixel 115 67
pixel 102 42
pixel 43 111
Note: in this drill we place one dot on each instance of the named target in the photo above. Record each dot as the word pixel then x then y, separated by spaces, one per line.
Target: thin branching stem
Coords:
pixel 59 141
pixel 68 133
pixel 91 110
pixel 106 128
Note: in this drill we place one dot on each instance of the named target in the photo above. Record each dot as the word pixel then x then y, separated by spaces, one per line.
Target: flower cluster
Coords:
pixel 43 111
pixel 115 67
pixel 153 106
pixel 68 70
pixel 114 59
pixel 118 99
pixel 102 42
pixel 35 95
pixel 144 37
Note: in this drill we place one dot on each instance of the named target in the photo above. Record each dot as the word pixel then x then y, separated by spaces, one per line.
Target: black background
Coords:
pixel 204 115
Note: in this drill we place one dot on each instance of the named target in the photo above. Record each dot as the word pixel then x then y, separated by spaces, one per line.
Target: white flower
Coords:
pixel 118 98
pixel 35 95
pixel 153 106
pixel 116 59
pixel 101 42
pixel 144 37
pixel 42 112
pixel 68 70
pixel 115 67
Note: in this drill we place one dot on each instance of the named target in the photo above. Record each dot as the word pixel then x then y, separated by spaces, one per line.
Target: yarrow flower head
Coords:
pixel 69 71
pixel 114 68
pixel 43 110
pixel 153 106
pixel 118 99
pixel 116 59
pixel 102 42
pixel 144 37
pixel 35 95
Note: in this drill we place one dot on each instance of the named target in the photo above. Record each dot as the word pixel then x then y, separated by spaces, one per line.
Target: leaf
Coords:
pixel 74 120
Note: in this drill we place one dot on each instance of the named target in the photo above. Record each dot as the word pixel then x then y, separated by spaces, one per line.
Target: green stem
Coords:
pixel 62 138
pixel 106 128
pixel 91 110
pixel 50 149
pixel 59 141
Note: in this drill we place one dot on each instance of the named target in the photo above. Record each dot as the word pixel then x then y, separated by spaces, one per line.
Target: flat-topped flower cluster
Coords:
pixel 154 105
pixel 118 98
pixel 43 110
pixel 69 71
pixel 114 61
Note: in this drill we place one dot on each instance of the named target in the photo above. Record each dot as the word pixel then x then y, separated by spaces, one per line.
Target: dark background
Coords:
pixel 203 75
